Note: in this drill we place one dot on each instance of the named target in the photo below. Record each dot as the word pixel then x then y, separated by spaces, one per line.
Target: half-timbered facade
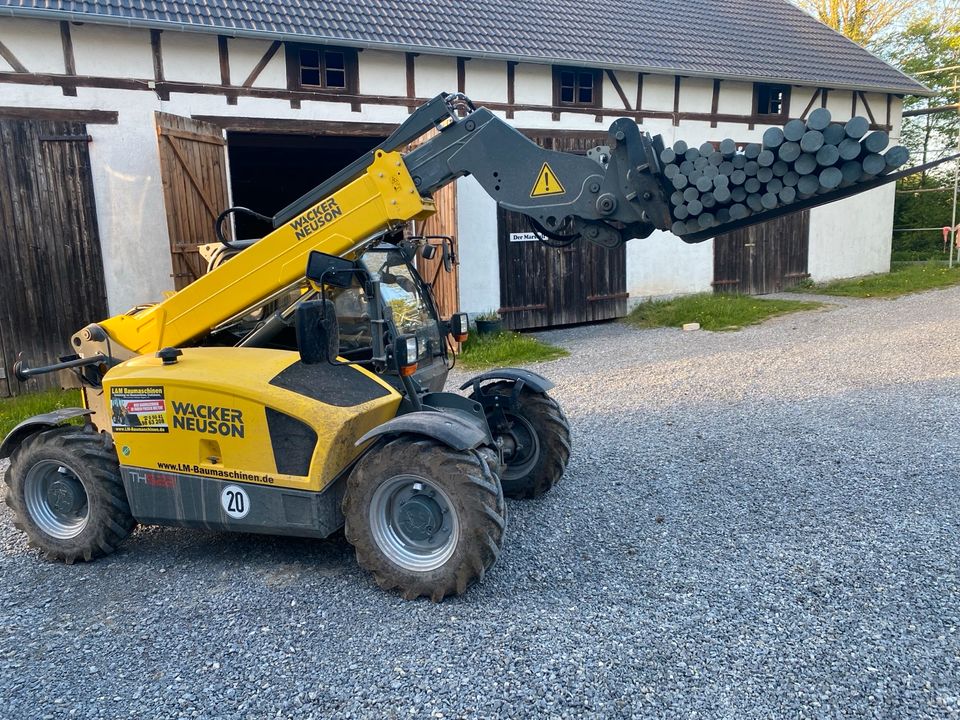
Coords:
pixel 172 118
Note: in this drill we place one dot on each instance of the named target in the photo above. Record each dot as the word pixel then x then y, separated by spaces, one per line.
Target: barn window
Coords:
pixel 576 86
pixel 318 66
pixel 771 99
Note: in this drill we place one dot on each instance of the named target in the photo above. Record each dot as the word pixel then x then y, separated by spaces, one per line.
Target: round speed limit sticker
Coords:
pixel 235 501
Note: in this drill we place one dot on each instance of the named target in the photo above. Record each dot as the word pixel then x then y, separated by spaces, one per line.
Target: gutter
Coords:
pixel 141 23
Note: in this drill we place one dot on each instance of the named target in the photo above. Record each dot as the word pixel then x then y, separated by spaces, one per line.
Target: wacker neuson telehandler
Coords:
pixel 297 387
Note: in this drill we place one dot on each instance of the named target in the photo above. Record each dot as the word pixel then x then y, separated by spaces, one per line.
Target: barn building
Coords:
pixel 128 126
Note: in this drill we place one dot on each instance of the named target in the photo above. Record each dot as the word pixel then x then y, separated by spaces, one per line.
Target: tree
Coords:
pixel 863 21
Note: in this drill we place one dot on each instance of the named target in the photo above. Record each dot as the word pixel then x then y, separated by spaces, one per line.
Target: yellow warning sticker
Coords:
pixel 547 183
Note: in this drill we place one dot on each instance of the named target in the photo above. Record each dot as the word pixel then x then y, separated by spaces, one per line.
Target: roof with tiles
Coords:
pixel 765 40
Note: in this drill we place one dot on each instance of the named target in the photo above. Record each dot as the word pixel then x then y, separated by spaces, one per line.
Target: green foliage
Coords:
pixel 713 312
pixel 902 279
pixel 16 409
pixel 505 349
pixel 863 21
pixel 488 316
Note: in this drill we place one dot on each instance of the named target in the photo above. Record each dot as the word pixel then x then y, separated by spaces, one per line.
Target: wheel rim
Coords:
pixel 521 447
pixel 56 499
pixel 414 523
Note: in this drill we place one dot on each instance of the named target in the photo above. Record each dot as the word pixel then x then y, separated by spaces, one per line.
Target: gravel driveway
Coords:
pixel 760 524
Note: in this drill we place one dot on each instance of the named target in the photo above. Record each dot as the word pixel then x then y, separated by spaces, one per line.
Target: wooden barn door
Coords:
pixel 764 258
pixel 193 170
pixel 542 286
pixel 51 276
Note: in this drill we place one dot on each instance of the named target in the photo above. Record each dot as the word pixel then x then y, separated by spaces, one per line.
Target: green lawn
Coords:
pixel 505 349
pixel 15 409
pixel 903 278
pixel 713 312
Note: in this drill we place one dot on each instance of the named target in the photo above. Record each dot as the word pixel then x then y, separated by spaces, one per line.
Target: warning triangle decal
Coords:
pixel 547 183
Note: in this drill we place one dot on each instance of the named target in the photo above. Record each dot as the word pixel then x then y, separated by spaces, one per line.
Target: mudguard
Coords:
pixel 535 382
pixel 36 424
pixel 454 428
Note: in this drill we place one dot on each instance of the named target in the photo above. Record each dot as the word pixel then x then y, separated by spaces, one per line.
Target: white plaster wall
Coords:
pixel 853 236
pixel 434 74
pixel 31 42
pixel 485 81
pixel 477 237
pixel 735 98
pixel 696 94
pixel 244 56
pixel 191 57
pixel 663 265
pixel 658 92
pixel 838 103
pixel 101 50
pixel 381 73
pixel 533 84
pixel 628 82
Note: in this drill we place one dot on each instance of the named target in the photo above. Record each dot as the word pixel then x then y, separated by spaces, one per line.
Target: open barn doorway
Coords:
pixel 268 171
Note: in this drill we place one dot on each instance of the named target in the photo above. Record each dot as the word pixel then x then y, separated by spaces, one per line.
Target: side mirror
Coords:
pixel 429 252
pixel 330 270
pixel 459 326
pixel 318 334
pixel 406 351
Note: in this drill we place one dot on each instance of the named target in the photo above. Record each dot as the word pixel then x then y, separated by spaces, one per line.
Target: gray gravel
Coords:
pixel 760 524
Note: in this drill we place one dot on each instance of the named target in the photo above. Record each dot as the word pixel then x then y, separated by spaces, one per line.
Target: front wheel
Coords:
pixel 425 519
pixel 66 494
pixel 534 435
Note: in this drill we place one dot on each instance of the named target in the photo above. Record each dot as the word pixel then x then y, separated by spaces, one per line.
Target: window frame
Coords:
pixel 758 88
pixel 597 88
pixel 295 68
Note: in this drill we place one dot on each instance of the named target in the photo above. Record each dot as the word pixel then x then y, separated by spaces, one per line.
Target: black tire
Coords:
pixel 76 466
pixel 540 464
pixel 461 482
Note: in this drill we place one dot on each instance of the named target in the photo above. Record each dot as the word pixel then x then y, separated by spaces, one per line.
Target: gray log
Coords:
pixel 754 202
pixel 706 148
pixel 738 177
pixel 896 156
pixel 856 127
pixel 681 213
pixel 834 134
pixel 764 174
pixel 769 200
pixel 677 198
pixel 774 186
pixel 704 184
pixel 752 186
pixel 728 147
pixel 726 168
pixel 849 149
pixel 830 178
pixel 805 164
pixel 667 156
pixel 811 141
pixel 794 130
pixel 787 195
pixel 876 142
pixel 694 176
pixel 852 171
pixel 738 194
pixel 828 155
pixel 680 147
pixel 739 212
pixel 808 185
pixel 766 158
pixel 873 164
pixel 715 158
pixel 780 168
pixel 819 119
pixel 710 172
pixel 695 208
pixel 670 170
pixel 691 154
pixel 706 221
pixel 752 150
pixel 679 228
pixel 721 181
pixel 693 226
pixel 773 138
pixel 751 168
pixel 791 178
pixel 708 200
pixel 723 216
pixel 739 160
pixel 686 167
pixel 789 151
pixel 679 181
pixel 722 195
pixel 691 194
pixel 700 163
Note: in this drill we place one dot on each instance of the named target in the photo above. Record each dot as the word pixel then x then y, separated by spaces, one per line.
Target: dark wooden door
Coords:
pixel 193 171
pixel 51 272
pixel 764 258
pixel 542 286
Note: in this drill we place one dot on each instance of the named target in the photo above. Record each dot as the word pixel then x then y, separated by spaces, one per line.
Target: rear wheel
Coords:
pixel 65 491
pixel 425 519
pixel 535 438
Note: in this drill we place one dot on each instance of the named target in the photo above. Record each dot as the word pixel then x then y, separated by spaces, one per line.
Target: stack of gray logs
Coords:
pixel 713 186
